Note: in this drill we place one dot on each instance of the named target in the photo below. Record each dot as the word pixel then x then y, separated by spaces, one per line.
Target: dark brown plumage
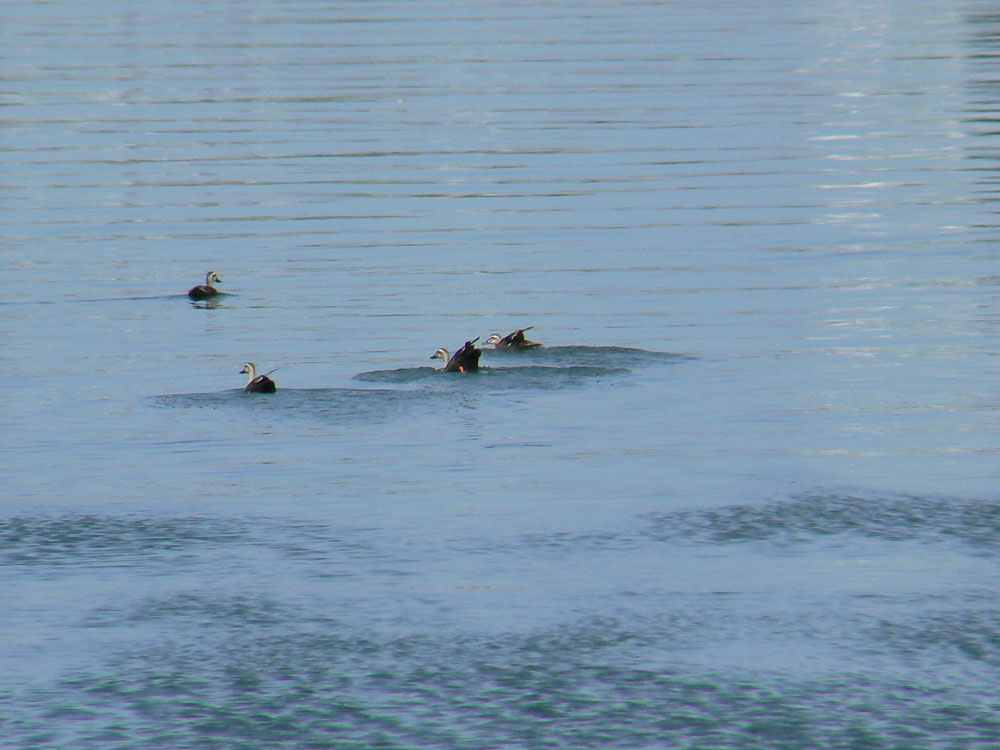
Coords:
pixel 465 359
pixel 515 340
pixel 206 290
pixel 258 383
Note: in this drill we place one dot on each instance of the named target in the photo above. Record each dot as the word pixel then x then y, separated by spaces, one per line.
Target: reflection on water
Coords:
pixel 207 304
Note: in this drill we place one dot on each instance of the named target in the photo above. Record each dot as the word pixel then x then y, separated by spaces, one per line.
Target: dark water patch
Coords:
pixel 585 356
pixel 347 689
pixel 566 542
pixel 201 608
pixel 335 550
pixel 495 378
pixel 90 540
pixel 943 636
pixel 83 540
pixel 808 517
pixel 331 404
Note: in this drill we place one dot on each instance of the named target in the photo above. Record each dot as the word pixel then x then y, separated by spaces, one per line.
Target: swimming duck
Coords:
pixel 465 359
pixel 206 290
pixel 513 340
pixel 258 383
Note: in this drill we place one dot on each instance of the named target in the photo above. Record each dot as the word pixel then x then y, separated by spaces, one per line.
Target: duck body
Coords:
pixel 257 383
pixel 206 290
pixel 515 340
pixel 465 359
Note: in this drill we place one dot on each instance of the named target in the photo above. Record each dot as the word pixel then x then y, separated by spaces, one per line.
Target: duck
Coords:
pixel 465 359
pixel 206 290
pixel 513 340
pixel 258 383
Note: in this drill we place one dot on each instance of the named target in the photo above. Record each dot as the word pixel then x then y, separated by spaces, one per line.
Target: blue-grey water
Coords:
pixel 745 497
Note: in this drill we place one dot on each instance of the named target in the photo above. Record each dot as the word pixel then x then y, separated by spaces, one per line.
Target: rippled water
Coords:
pixel 744 497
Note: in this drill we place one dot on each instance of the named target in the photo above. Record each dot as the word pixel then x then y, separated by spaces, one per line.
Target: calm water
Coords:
pixel 746 497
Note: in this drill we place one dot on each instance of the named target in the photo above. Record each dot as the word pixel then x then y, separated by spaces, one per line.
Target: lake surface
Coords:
pixel 745 497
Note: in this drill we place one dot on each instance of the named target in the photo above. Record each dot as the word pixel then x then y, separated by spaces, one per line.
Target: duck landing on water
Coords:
pixel 513 340
pixel 465 359
pixel 258 383
pixel 206 290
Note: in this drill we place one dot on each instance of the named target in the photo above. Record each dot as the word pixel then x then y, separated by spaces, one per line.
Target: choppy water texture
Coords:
pixel 744 497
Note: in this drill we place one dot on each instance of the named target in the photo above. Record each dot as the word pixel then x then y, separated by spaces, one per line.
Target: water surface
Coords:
pixel 745 497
